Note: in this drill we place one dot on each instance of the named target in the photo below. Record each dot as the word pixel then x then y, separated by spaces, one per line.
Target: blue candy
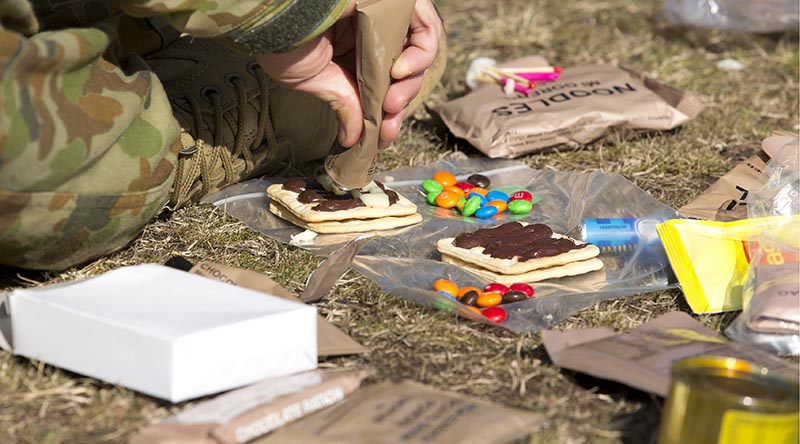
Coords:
pixel 496 195
pixel 486 212
pixel 483 199
pixel 447 294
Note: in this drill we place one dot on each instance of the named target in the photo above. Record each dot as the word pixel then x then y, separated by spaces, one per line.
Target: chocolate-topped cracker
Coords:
pixel 306 201
pixel 514 248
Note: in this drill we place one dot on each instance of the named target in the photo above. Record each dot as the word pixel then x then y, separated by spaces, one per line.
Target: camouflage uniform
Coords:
pixel 108 116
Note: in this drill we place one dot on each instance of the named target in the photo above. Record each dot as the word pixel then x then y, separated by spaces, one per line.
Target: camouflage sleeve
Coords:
pixel 256 26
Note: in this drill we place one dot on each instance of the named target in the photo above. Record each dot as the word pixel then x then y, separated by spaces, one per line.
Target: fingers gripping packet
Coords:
pixel 382 27
pixel 583 104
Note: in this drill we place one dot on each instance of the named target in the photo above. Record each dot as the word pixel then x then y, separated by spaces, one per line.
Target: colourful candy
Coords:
pixel 447 199
pixel 497 195
pixel 466 186
pixel 495 287
pixel 521 195
pixel 490 299
pixel 525 288
pixel 479 180
pixel 479 190
pixel 501 206
pixel 470 298
pixel 461 202
pixel 472 205
pixel 514 296
pixel 480 197
pixel 465 290
pixel 448 295
pixel 486 212
pixel 432 197
pixel 445 178
pixel 455 190
pixel 520 206
pixel 496 314
pixel 432 186
pixel 446 286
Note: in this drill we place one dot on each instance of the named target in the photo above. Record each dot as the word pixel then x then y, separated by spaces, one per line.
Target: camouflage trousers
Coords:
pixel 88 146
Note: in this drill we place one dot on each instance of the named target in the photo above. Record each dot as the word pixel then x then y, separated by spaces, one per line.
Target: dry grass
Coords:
pixel 44 405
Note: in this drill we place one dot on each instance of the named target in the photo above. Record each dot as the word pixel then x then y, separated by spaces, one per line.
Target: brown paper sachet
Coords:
pixel 245 414
pixel 330 340
pixel 726 199
pixel 585 103
pixel 643 358
pixel 382 27
pixel 775 304
pixel 410 413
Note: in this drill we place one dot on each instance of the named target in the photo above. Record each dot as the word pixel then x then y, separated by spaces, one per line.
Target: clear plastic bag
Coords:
pixel 759 16
pixel 771 316
pixel 405 262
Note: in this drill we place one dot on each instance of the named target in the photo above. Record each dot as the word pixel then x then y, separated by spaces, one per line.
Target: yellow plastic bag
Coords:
pixel 711 259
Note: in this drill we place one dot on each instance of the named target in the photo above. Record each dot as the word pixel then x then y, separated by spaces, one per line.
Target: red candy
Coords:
pixel 521 195
pixel 525 288
pixel 496 314
pixel 494 287
pixel 465 186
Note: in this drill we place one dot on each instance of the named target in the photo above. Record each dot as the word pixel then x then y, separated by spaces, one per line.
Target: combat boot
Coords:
pixel 236 123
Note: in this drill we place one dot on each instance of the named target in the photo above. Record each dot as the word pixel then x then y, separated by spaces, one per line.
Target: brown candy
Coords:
pixel 470 298
pixel 479 180
pixel 514 296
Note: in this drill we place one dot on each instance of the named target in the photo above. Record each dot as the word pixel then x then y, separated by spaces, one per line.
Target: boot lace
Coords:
pixel 197 161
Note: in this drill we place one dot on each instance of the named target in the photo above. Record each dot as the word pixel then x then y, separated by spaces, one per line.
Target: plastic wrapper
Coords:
pixel 770 293
pixel 405 262
pixel 735 15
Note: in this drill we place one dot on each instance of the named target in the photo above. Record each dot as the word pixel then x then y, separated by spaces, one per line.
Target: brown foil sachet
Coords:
pixel 382 27
pixel 583 104
pixel 775 304
pixel 330 340
pixel 643 358
pixel 410 413
pixel 242 415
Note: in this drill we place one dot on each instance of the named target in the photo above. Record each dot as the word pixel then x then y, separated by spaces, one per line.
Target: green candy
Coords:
pixel 432 197
pixel 472 205
pixel 432 186
pixel 520 206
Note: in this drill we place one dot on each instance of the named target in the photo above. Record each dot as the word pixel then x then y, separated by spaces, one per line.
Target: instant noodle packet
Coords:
pixel 585 103
pixel 711 259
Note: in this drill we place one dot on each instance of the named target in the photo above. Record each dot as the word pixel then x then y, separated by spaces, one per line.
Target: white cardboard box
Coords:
pixel 163 332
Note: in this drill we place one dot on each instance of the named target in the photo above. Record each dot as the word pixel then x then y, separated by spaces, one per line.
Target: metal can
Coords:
pixel 722 400
pixel 619 234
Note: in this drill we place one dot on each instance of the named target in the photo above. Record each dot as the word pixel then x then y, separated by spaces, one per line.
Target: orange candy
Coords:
pixel 490 299
pixel 501 206
pixel 464 290
pixel 446 286
pixel 475 309
pixel 479 190
pixel 447 199
pixel 455 190
pixel 445 178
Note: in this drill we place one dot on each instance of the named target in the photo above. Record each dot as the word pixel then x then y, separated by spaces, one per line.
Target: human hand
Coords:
pixel 325 68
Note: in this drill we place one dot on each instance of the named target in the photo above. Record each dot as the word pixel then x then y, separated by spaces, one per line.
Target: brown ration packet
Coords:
pixel 643 358
pixel 775 304
pixel 330 340
pixel 410 413
pixel 583 104
pixel 382 27
pixel 244 414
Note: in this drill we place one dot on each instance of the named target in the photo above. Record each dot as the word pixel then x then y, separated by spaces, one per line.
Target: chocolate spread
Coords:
pixel 309 191
pixel 513 239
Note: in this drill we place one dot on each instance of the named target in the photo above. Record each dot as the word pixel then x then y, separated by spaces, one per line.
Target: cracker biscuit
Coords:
pixel 476 257
pixel 571 269
pixel 306 212
pixel 347 225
